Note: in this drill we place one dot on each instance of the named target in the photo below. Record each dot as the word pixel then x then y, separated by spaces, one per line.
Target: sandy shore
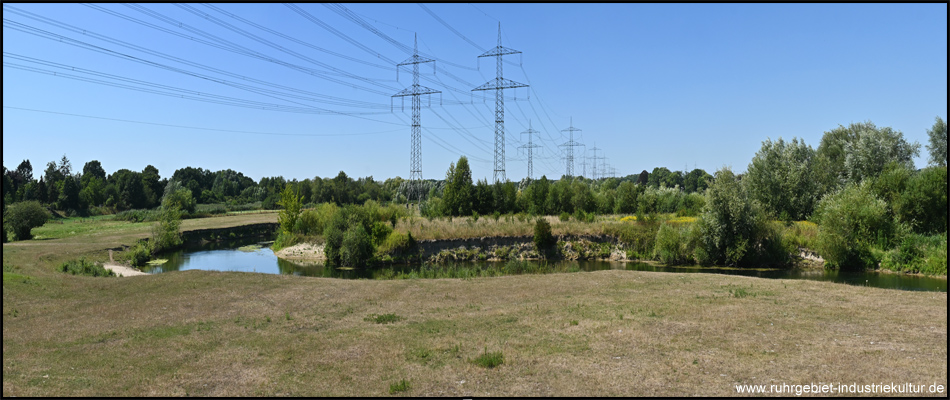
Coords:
pixel 302 251
pixel 122 270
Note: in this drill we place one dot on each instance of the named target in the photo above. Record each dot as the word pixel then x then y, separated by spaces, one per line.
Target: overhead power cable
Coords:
pixel 209 129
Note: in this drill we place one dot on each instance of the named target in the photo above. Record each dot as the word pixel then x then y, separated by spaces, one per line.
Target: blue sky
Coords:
pixel 669 85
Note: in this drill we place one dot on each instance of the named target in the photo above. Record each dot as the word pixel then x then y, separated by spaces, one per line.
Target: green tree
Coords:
pixel 733 229
pixel 924 201
pixel 152 187
pixel 69 194
pixel 859 151
pixel 543 239
pixel 937 146
pixel 22 217
pixel 166 235
pixel 627 194
pixel 851 221
pixel 457 194
pixel 696 180
pixel 290 209
pixel 92 169
pixel 780 177
pixel 357 247
pixel 178 196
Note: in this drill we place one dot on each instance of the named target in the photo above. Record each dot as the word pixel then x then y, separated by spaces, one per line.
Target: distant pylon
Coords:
pixel 570 144
pixel 530 146
pixel 498 84
pixel 416 90
pixel 594 150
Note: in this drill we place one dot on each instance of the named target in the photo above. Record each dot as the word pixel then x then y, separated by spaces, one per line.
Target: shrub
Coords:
pixel 85 267
pixel 22 217
pixel 850 221
pixel 733 228
pixel 542 234
pixel 676 244
pixel 166 234
pixel 139 254
pixel 357 248
pixel 397 243
pixel 639 238
pixel 924 202
pixel 564 217
pixel 918 253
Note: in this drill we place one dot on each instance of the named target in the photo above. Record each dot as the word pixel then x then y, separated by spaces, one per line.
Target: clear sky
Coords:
pixel 668 85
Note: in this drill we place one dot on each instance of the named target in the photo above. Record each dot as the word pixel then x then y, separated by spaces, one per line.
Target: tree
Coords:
pixel 780 177
pixel 858 151
pixel 92 169
pixel 937 147
pixel 357 247
pixel 643 178
pixel 867 156
pixel 178 196
pixel 22 217
pixel 21 175
pixel 733 229
pixel 152 186
pixel 457 194
pixel 129 188
pixel 290 209
pixel 69 194
pixel 696 180
pixel 924 201
pixel 627 194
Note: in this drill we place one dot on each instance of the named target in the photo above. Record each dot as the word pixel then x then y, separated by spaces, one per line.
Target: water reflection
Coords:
pixel 226 256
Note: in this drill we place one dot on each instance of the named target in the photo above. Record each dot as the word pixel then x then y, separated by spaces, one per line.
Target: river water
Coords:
pixel 227 257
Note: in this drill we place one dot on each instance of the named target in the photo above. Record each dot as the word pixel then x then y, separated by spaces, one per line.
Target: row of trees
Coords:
pixel 62 188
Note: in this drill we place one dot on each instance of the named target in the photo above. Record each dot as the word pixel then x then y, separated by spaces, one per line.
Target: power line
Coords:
pixel 206 129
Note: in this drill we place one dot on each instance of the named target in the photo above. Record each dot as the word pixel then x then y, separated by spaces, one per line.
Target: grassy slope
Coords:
pixel 637 333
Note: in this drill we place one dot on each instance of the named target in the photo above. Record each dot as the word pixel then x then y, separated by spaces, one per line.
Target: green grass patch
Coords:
pixel 489 360
pixel 398 387
pixel 383 319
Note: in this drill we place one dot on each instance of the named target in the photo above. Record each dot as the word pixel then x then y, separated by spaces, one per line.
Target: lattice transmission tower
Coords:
pixel 594 150
pixel 416 90
pixel 530 146
pixel 498 85
pixel 570 144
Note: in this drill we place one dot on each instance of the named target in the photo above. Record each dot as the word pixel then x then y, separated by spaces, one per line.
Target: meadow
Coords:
pixel 603 333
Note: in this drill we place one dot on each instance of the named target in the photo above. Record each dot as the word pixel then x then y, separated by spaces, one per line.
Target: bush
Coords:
pixel 166 235
pixel 542 234
pixel 639 238
pixel 85 267
pixel 918 253
pixel 22 217
pixel 734 230
pixel 397 243
pixel 564 217
pixel 357 248
pixel 676 244
pixel 137 216
pixel 139 254
pixel 924 202
pixel 851 221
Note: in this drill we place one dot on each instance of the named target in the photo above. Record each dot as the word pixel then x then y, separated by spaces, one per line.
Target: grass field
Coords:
pixel 604 333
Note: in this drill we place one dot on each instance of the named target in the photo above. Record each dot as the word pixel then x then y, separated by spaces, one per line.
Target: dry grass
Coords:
pixel 637 333
pixel 466 227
